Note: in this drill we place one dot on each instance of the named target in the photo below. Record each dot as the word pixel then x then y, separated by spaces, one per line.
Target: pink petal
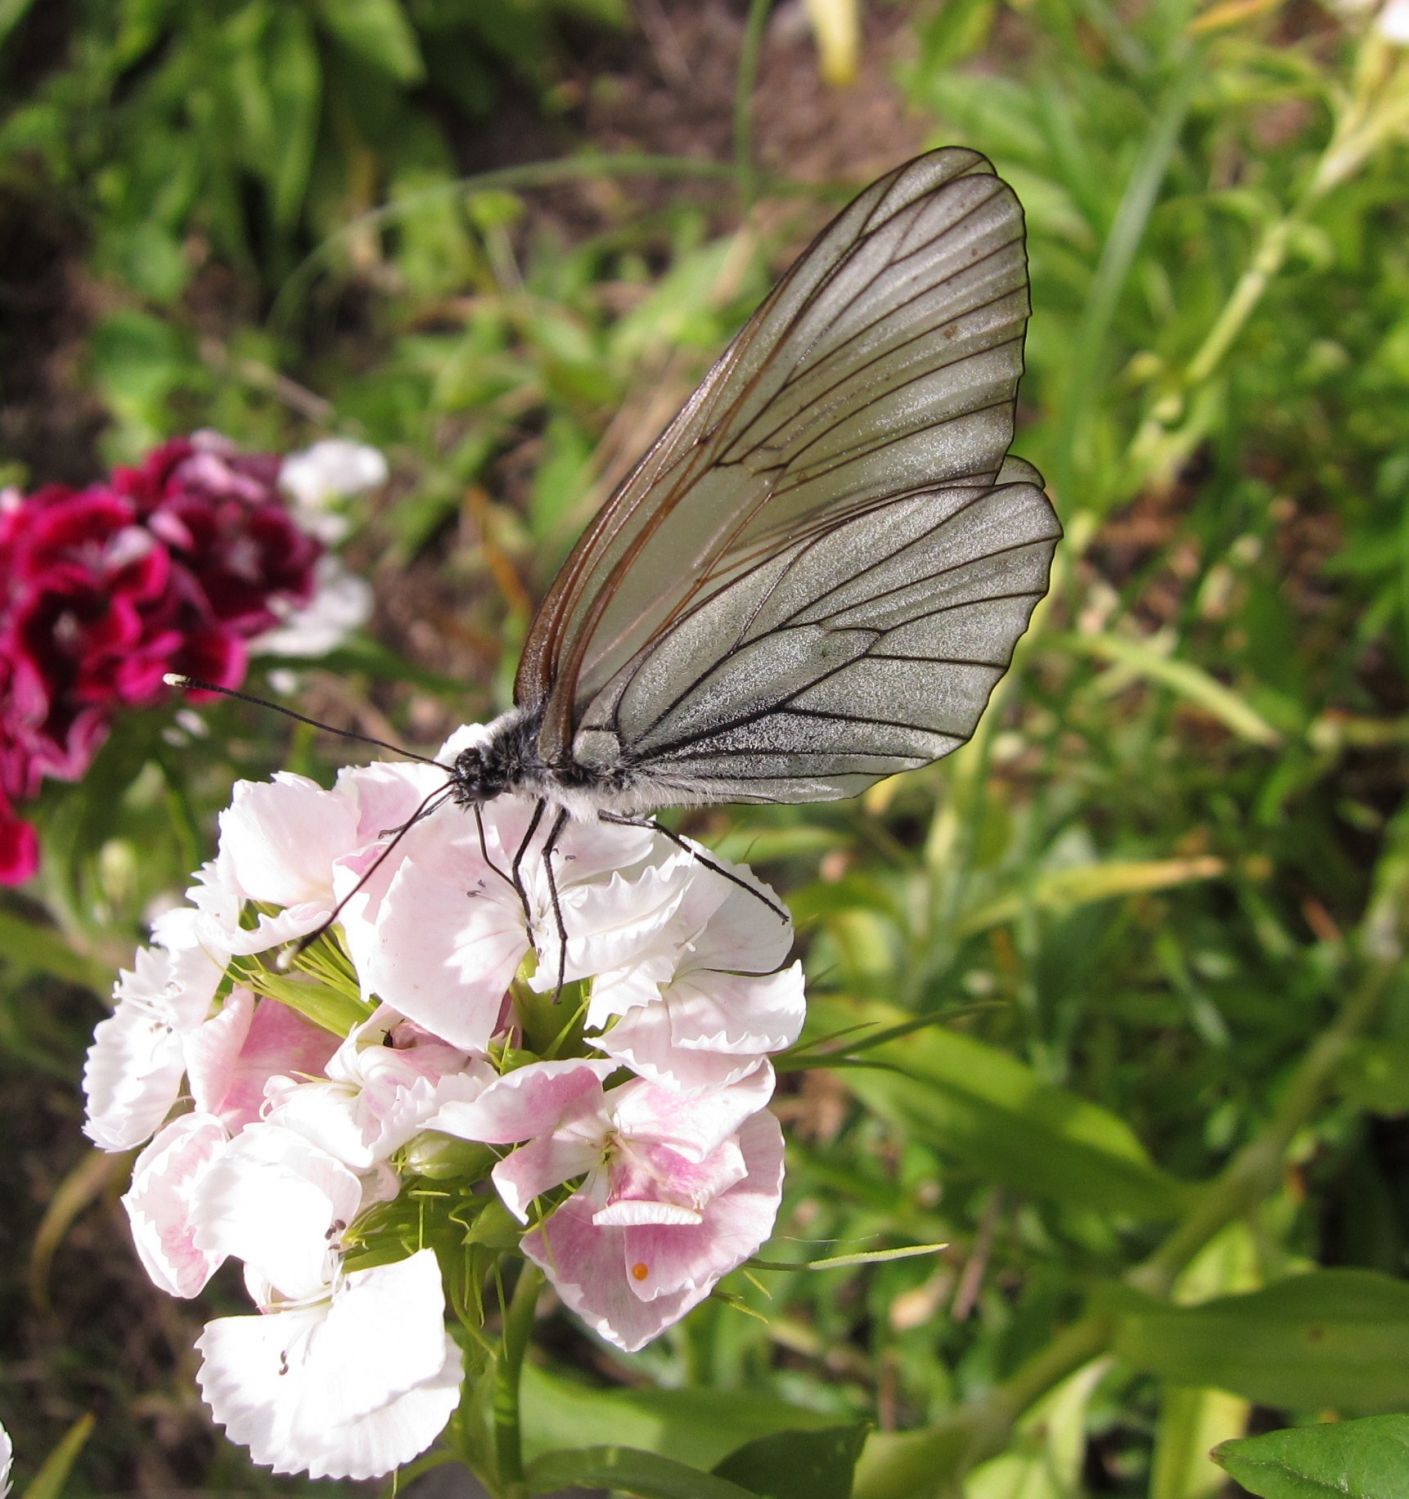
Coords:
pixel 665 1261
pixel 588 1268
pixel 540 1166
pixel 693 1126
pixel 280 1042
pixel 160 1201
pixel 532 1100
pixel 210 1051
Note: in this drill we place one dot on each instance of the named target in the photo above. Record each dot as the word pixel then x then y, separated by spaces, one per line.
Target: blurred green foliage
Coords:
pixel 1156 911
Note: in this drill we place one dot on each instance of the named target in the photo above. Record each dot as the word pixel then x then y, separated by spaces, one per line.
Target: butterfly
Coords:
pixel 818 572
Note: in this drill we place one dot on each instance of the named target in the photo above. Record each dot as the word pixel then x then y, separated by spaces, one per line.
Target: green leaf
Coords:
pixel 378 32
pixel 1044 1455
pixel 982 1107
pixel 646 1474
pixel 1083 884
pixel 798 1464
pixel 1186 680
pixel 1366 1459
pixel 12 12
pixel 293 77
pixel 28 945
pixel 51 1481
pixel 1375 1075
pixel 695 1426
pixel 1329 1338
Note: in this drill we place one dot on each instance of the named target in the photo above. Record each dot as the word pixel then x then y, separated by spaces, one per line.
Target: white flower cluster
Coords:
pixel 294 1117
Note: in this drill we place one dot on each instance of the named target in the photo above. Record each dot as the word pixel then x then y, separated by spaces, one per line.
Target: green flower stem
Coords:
pixel 1257 1168
pixel 744 174
pixel 931 1462
pixel 1374 114
pixel 518 1324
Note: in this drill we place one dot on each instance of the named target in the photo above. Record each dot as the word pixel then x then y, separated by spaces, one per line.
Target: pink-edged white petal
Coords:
pixel 587 1267
pixel 7 1455
pixel 530 1101
pixel 161 1198
pixel 281 838
pixel 132 1074
pixel 666 1260
pixel 691 1126
pixel 352 1387
pixel 709 1029
pixel 450 935
pixel 540 1166
pixel 276 1201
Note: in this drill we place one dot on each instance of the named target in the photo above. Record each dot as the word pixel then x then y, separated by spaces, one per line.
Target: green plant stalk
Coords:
pixel 586 167
pixel 744 84
pixel 923 1462
pixel 508 1438
pixel 1378 110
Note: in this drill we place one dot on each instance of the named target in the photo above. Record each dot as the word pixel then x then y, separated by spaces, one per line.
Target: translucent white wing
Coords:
pixel 868 649
pixel 870 397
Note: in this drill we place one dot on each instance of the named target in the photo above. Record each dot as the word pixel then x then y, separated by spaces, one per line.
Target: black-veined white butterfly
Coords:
pixel 818 572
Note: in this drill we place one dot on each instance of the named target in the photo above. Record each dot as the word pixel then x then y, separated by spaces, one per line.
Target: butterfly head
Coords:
pixel 500 759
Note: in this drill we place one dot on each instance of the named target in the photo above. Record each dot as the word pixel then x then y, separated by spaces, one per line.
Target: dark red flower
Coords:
pixel 172 567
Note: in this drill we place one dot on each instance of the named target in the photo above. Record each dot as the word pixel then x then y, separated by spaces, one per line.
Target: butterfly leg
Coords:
pixel 675 838
pixel 484 854
pixel 550 845
pixel 515 879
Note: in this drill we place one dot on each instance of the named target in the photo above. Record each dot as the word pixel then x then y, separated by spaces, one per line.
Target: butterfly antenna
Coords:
pixel 286 958
pixel 195 684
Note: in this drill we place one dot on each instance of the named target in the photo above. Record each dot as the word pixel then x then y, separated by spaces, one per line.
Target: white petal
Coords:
pixel 281 838
pixel 131 1078
pixel 691 1126
pixel 350 1388
pixel 331 469
pixel 340 604
pixel 161 1199
pixel 277 1202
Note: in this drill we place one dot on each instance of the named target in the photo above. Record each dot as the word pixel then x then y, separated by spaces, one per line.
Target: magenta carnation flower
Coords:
pixel 173 566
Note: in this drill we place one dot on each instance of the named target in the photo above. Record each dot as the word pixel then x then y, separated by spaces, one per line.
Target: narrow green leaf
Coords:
pixel 1365 1459
pixel 645 1474
pixel 378 32
pixel 1084 884
pixel 26 944
pixel 293 78
pixel 695 1426
pixel 980 1106
pixel 1331 1338
pixel 52 1478
pixel 844 1261
pixel 798 1464
pixel 1184 679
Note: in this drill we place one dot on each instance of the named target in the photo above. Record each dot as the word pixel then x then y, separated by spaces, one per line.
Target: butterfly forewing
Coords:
pixel 818 572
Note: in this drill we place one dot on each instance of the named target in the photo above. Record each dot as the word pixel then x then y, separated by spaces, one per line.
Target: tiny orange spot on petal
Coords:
pixel 640 1271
